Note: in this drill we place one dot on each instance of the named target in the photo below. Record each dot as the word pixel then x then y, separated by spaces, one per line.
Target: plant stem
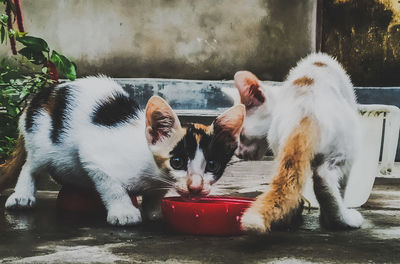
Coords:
pixel 9 26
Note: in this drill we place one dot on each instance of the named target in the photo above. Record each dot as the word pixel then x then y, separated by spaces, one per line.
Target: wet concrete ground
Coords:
pixel 45 235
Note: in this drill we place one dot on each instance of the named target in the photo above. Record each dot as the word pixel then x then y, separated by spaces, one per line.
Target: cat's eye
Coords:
pixel 213 166
pixel 177 163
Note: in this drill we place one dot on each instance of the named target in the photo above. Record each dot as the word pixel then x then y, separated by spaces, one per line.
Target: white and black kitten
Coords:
pixel 91 132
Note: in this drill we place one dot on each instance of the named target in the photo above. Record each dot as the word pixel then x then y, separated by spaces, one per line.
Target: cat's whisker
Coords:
pixel 153 177
pixel 158 189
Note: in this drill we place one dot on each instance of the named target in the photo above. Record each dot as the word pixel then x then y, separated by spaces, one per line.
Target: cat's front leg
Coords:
pixel 120 210
pixel 24 191
pixel 151 204
pixel 122 213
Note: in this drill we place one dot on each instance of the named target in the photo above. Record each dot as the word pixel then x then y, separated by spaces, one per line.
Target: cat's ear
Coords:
pixel 249 88
pixel 161 121
pixel 229 124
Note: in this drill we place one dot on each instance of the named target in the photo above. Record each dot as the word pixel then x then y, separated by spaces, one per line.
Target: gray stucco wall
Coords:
pixel 207 39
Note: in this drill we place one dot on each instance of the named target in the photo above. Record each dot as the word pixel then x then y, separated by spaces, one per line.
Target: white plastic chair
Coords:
pixel 366 166
pixel 391 137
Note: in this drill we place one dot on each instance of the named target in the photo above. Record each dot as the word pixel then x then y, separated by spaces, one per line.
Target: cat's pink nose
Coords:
pixel 195 184
pixel 195 189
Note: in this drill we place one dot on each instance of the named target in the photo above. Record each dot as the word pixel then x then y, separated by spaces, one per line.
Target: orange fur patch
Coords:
pixel 206 129
pixel 200 126
pixel 10 170
pixel 161 162
pixel 294 163
pixel 319 64
pixel 49 106
pixel 302 84
pixel 303 81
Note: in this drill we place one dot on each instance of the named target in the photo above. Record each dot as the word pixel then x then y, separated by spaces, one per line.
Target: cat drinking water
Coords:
pixel 91 133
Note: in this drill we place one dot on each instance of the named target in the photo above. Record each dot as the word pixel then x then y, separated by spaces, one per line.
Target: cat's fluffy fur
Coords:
pixel 312 126
pixel 90 132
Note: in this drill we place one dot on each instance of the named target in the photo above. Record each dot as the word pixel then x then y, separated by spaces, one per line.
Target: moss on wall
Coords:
pixel 365 37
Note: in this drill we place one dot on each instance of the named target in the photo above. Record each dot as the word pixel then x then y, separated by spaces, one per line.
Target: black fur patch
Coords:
pixel 59 117
pixel 215 147
pixel 317 161
pixel 219 149
pixel 35 105
pixel 115 110
pixel 186 147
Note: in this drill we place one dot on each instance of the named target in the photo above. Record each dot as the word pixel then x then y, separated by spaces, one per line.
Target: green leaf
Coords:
pixel 36 57
pixel 34 43
pixel 3 34
pixel 9 138
pixel 21 34
pixel 11 33
pixel 12 111
pixel 9 91
pixel 19 82
pixel 63 65
pixel 44 70
pixel 4 18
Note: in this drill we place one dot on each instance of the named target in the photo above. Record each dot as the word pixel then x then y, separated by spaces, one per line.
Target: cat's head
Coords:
pixel 194 156
pixel 253 144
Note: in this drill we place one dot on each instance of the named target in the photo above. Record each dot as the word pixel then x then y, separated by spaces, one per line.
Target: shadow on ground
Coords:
pixel 44 235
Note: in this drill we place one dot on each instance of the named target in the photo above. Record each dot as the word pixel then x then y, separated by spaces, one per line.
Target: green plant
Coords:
pixel 19 83
pixel 15 91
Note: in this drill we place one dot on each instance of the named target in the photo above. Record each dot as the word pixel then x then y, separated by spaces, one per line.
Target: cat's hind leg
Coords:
pixel 281 203
pixel 25 189
pixel 330 179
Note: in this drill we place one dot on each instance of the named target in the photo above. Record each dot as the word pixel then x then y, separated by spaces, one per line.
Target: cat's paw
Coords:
pixel 123 216
pixel 253 222
pixel 20 201
pixel 352 218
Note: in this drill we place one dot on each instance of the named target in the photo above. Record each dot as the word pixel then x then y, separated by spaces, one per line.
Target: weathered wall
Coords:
pixel 208 39
pixel 365 36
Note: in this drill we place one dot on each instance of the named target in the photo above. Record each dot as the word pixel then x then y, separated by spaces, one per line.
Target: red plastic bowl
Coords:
pixel 82 200
pixel 211 215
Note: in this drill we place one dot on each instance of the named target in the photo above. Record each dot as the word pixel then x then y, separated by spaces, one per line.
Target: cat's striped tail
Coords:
pixel 284 197
pixel 10 170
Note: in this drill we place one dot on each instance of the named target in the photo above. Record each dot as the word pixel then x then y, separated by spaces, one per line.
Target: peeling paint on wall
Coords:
pixel 176 38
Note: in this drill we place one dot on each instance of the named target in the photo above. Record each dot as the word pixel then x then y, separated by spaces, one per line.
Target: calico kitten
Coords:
pixel 90 132
pixel 312 126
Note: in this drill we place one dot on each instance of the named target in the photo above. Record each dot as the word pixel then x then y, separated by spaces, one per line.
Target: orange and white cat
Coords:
pixel 312 126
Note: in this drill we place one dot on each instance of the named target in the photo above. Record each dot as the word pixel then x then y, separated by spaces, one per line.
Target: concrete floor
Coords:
pixel 45 235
